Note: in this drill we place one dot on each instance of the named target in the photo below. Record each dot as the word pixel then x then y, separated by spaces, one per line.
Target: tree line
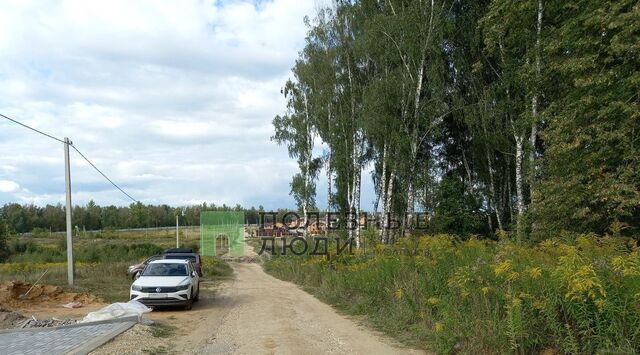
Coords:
pixel 17 218
pixel 518 116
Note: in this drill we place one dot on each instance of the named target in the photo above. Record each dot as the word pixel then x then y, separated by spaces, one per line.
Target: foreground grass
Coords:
pixel 480 296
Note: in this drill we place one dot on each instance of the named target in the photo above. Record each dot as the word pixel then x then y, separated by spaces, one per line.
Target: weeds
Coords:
pixel 161 330
pixel 480 296
pixel 101 263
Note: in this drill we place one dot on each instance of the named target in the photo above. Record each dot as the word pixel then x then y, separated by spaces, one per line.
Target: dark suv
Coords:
pixel 174 253
pixel 185 254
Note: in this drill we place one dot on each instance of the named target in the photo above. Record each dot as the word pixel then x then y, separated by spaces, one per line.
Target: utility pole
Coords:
pixel 177 234
pixel 67 179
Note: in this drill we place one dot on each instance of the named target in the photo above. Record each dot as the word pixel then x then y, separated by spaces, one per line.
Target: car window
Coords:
pixel 162 269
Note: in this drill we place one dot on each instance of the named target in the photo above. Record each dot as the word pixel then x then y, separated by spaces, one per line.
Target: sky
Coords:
pixel 173 100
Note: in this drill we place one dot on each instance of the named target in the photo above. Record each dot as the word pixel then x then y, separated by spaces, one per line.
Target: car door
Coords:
pixel 195 279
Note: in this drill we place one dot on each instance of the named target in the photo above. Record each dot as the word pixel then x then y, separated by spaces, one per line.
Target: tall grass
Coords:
pixel 481 296
pixel 31 252
pixel 101 260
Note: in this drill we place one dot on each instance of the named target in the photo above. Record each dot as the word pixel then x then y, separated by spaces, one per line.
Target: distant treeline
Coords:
pixel 26 218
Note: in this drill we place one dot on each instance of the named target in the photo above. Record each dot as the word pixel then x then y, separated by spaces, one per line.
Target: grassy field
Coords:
pixel 580 296
pixel 101 259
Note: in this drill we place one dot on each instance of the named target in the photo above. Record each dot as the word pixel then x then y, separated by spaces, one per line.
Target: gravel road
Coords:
pixel 256 313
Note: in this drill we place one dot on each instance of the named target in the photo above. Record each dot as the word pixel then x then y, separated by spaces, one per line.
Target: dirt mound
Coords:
pixel 10 295
pixel 10 319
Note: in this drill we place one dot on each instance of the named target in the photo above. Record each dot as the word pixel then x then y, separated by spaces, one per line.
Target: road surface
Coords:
pixel 256 313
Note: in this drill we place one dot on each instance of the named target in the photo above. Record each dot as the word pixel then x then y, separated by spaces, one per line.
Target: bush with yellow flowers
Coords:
pixel 483 296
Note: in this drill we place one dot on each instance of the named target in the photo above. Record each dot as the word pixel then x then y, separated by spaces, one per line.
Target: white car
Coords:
pixel 167 282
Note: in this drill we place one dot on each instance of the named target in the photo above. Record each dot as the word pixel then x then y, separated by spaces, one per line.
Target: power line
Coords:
pixel 76 149
pixel 101 173
pixel 33 129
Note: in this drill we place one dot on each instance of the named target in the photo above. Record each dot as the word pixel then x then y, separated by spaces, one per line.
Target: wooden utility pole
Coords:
pixel 67 179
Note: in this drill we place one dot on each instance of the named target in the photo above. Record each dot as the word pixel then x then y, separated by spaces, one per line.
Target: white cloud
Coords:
pixel 8 186
pixel 172 99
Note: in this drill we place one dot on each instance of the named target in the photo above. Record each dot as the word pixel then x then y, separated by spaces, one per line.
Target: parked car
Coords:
pixel 135 270
pixel 174 253
pixel 167 282
pixel 186 254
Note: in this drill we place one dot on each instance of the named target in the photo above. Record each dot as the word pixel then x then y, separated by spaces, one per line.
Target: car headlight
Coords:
pixel 136 288
pixel 182 287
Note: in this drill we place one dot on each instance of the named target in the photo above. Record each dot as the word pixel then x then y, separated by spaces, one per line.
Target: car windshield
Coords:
pixel 164 269
pixel 191 258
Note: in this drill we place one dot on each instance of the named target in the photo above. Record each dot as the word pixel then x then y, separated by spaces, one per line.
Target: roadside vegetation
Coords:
pixel 569 295
pixel 513 126
pixel 101 259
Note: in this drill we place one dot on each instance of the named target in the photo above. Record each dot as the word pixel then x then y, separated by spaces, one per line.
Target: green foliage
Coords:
pixel 591 177
pixel 456 211
pixel 533 105
pixel 487 296
pixel 4 247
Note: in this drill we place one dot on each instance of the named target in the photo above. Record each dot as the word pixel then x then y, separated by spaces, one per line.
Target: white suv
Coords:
pixel 167 282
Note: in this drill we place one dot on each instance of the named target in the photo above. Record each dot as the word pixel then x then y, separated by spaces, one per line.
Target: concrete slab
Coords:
pixel 80 338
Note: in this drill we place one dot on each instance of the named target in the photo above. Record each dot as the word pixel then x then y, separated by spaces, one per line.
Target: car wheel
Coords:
pixel 188 305
pixel 197 297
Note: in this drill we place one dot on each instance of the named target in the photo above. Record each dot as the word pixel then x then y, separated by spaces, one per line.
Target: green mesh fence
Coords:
pixel 223 226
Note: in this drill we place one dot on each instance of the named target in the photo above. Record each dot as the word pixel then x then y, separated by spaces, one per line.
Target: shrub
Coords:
pixel 482 296
pixel 4 248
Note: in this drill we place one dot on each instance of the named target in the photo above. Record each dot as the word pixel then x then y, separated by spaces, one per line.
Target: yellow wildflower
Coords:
pixel 516 301
pixel 600 303
pixel 539 305
pixel 534 272
pixel 502 267
pixel 438 327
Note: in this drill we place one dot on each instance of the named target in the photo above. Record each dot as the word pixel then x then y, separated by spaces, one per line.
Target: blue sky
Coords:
pixel 173 100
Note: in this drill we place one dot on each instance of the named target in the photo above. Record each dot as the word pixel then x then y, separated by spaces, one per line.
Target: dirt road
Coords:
pixel 256 313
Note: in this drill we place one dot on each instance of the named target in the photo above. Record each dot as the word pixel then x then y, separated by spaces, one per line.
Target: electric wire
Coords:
pixel 101 173
pixel 76 149
pixel 33 129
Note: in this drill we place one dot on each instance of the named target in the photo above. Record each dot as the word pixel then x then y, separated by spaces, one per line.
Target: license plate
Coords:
pixel 157 295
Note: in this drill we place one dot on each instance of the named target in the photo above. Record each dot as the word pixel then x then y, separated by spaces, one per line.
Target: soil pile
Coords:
pixel 40 294
pixel 10 319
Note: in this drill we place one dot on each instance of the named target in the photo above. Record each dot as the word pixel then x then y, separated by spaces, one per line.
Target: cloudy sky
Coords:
pixel 172 100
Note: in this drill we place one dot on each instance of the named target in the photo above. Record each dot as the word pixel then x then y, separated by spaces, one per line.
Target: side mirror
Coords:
pixel 193 274
pixel 138 275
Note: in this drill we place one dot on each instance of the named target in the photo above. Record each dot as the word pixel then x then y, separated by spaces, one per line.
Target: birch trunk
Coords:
pixel 492 190
pixel 534 103
pixel 383 187
pixel 356 158
pixel 357 205
pixel 519 188
pixel 328 167
pixel 387 207
pixel 414 141
pixel 307 165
